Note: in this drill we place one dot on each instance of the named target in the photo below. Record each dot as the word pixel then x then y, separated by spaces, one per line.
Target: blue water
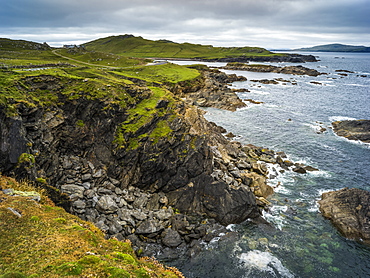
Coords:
pixel 301 243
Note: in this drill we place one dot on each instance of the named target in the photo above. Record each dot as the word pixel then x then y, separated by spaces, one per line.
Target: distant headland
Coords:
pixel 336 47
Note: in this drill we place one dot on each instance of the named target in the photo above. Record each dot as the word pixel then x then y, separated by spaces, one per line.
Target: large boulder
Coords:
pixel 349 211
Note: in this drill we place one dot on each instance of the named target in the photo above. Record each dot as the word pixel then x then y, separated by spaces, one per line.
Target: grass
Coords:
pixel 166 73
pixel 102 58
pixel 141 116
pixel 131 46
pixel 48 242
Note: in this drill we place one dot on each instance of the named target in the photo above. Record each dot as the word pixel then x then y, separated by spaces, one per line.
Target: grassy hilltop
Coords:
pixel 131 46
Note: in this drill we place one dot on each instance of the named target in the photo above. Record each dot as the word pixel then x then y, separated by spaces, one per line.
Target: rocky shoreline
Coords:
pixel 353 129
pixel 295 70
pixel 290 58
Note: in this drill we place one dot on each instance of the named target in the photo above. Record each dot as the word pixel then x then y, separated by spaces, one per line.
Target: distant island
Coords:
pixel 336 47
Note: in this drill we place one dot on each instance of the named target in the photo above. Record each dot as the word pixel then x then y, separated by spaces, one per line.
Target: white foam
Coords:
pixel 264 261
pixel 275 216
pixel 320 173
pixel 357 85
pixel 258 92
pixel 341 118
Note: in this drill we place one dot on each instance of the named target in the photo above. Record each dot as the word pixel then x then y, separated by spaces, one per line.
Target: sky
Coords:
pixel 272 24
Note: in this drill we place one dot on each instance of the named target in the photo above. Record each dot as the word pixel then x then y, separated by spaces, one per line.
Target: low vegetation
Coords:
pixel 39 239
pixel 130 46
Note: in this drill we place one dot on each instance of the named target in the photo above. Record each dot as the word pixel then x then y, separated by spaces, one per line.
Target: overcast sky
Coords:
pixel 272 24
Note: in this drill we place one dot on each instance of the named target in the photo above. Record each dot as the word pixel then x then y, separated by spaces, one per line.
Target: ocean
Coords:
pixel 295 117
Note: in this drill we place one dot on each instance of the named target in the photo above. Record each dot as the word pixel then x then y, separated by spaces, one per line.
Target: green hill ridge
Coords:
pixel 129 45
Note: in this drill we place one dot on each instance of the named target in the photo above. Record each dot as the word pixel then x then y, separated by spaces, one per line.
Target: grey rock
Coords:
pixel 104 191
pixel 125 215
pixel 138 215
pixel 122 202
pixel 141 201
pixel 106 204
pixel 228 179
pixel 99 173
pixel 149 227
pixel 115 227
pixel 171 238
pixel 163 214
pixel 72 189
pixel 91 214
pixel 129 198
pixel 118 191
pixel 236 174
pixel 102 226
pixel 86 185
pixel 79 204
pixel 86 177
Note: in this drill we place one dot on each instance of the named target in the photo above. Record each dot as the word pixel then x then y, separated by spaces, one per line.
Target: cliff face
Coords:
pixel 150 170
pixel 75 143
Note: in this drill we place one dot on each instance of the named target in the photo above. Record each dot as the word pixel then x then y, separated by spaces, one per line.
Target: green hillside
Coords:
pixel 131 46
pixel 42 240
pixel 336 47
pixel 8 44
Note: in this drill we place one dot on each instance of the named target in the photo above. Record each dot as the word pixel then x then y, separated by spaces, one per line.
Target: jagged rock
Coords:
pixel 349 211
pixel 299 169
pixel 125 215
pixel 139 215
pixel 149 227
pixel 115 227
pixel 106 204
pixel 141 201
pixel 353 130
pixel 72 189
pixel 258 183
pixel 260 168
pixel 163 214
pixel 171 238
pixel 79 204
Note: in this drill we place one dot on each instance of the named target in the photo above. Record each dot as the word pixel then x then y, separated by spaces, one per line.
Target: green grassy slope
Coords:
pixel 8 44
pixel 131 46
pixel 43 240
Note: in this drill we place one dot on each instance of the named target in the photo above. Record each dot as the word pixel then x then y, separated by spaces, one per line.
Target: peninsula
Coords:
pixel 336 47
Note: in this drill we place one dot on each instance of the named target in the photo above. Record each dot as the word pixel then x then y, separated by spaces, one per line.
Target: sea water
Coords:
pixel 300 242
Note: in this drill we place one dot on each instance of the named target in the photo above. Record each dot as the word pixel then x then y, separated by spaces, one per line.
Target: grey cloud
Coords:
pixel 225 21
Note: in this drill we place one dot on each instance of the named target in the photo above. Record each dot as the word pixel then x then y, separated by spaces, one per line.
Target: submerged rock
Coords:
pixel 349 211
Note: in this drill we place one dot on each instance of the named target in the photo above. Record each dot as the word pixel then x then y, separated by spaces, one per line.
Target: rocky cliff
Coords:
pixel 348 210
pixel 136 161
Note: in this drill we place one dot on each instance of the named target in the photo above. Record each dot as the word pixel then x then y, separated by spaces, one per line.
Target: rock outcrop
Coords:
pixel 353 129
pixel 290 58
pixel 296 70
pixel 211 90
pixel 349 211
